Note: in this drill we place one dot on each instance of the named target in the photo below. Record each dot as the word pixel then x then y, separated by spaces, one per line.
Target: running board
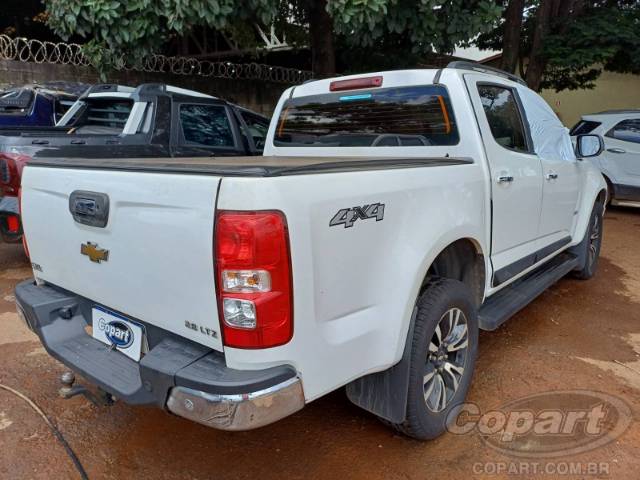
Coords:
pixel 501 306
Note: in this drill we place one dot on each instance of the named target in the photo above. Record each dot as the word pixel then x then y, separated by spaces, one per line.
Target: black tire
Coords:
pixel 440 298
pixel 589 248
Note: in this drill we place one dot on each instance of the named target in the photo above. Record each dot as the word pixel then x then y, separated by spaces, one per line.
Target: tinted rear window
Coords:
pixel 405 116
pixel 583 127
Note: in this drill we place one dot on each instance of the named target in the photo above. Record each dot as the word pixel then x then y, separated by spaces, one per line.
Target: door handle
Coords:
pixel 616 150
pixel 505 179
pixel 552 176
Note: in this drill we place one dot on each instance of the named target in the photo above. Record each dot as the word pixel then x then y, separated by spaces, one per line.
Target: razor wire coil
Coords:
pixel 37 51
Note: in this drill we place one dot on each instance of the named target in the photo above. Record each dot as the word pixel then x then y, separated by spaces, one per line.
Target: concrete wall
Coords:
pixel 612 91
pixel 253 94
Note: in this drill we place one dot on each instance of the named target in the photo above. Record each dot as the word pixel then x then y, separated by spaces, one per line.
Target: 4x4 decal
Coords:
pixel 348 216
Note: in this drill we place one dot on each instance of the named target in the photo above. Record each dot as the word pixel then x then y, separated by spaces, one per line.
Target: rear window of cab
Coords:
pixel 381 117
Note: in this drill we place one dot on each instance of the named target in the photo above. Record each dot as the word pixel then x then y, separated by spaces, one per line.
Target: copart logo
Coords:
pixel 546 425
pixel 348 216
pixel 118 333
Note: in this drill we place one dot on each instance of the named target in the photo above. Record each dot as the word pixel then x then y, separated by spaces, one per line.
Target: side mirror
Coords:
pixel 589 146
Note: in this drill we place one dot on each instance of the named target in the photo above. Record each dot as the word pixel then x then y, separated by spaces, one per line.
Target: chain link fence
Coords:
pixel 29 50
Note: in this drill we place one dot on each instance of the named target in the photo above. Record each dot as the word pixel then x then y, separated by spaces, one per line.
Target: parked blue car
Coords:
pixel 33 106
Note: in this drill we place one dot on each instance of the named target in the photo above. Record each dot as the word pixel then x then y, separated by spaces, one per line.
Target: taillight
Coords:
pixel 13 224
pixel 11 165
pixel 253 272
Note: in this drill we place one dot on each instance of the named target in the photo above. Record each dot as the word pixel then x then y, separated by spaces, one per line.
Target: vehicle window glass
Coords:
pixel 60 107
pixel 102 115
pixel 258 127
pixel 583 127
pixel 627 130
pixel 17 101
pixel 400 116
pixel 503 116
pixel 206 125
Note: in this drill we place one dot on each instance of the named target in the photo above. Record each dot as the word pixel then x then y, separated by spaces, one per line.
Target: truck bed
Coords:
pixel 250 166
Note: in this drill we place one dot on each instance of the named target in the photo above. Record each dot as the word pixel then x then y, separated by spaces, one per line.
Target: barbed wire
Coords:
pixel 37 51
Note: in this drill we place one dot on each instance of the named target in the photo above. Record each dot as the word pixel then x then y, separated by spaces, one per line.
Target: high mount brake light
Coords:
pixel 355 83
pixel 253 273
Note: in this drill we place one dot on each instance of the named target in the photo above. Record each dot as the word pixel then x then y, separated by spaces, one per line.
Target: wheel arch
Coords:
pixel 464 260
pixel 594 189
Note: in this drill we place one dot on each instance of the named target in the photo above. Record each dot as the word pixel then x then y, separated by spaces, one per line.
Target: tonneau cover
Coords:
pixel 249 166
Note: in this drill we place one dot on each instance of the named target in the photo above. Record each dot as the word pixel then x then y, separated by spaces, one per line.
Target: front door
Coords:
pixel 516 175
pixel 560 173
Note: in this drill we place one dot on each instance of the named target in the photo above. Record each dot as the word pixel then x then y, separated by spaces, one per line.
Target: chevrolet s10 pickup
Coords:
pixel 392 216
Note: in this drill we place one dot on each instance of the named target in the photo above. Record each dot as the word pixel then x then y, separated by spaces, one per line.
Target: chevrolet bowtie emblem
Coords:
pixel 94 253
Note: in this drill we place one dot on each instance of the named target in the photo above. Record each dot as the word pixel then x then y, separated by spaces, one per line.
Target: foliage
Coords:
pixel 426 25
pixel 134 28
pixel 604 38
pixel 131 29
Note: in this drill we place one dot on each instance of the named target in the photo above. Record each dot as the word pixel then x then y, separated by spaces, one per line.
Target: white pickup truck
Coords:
pixel 393 215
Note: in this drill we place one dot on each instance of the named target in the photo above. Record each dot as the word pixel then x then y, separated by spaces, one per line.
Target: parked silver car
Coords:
pixel 620 160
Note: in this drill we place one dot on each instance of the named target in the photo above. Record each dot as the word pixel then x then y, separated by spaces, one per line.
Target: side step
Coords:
pixel 501 306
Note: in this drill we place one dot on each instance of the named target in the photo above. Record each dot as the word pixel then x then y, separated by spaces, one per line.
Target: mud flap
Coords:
pixel 385 393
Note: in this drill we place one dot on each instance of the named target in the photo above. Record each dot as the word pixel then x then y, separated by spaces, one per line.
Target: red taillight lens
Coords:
pixel 355 83
pixel 13 224
pixel 253 272
pixel 11 165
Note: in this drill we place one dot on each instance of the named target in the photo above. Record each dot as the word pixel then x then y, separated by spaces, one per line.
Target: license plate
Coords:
pixel 117 331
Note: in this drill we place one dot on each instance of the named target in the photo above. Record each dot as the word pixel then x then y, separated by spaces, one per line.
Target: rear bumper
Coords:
pixel 188 379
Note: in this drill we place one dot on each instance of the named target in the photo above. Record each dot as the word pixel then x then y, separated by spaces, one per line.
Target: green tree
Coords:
pixel 566 44
pixel 117 29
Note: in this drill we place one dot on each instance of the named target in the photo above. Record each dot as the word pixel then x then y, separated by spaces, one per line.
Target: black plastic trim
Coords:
pixel 626 192
pixel 60 319
pixel 249 166
pixel 507 273
pixel 480 67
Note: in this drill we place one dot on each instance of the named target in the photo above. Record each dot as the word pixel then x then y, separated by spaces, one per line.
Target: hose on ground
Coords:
pixel 52 427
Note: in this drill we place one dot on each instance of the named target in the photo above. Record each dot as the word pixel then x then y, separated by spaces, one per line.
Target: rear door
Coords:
pixel 158 233
pixel 516 175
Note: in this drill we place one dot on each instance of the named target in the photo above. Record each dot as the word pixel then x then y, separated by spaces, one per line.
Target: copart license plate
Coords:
pixel 118 331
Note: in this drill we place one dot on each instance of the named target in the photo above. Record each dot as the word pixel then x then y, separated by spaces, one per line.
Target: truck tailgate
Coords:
pixel 159 237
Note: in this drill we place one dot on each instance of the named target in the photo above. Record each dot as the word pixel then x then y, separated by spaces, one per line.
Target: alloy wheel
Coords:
pixel 446 359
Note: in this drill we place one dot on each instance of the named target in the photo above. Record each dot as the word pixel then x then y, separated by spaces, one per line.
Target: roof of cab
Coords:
pixel 398 77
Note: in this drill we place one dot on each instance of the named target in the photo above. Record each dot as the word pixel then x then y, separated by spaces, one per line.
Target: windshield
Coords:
pixel 386 117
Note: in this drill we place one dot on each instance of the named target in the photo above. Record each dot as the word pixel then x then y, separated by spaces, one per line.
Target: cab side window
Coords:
pixel 257 127
pixel 206 125
pixel 626 130
pixel 504 117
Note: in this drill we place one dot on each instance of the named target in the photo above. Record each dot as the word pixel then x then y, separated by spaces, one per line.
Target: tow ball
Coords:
pixel 69 390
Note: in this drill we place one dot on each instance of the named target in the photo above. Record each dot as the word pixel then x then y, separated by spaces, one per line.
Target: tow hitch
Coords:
pixel 69 390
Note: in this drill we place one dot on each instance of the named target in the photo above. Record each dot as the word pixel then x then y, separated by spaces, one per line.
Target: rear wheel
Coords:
pixel 591 244
pixel 443 354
